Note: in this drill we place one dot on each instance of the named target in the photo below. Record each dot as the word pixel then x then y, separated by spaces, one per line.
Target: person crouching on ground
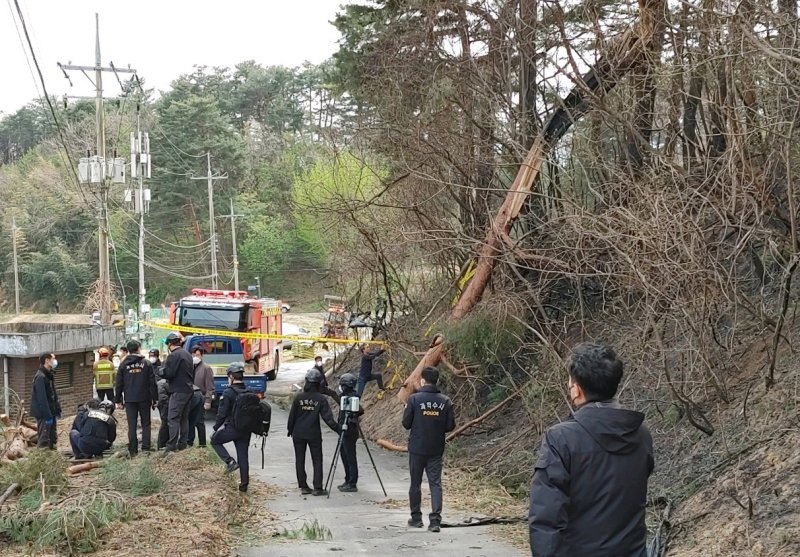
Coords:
pixel 225 432
pixel 97 432
pixel 429 415
pixel 305 431
pixel 347 386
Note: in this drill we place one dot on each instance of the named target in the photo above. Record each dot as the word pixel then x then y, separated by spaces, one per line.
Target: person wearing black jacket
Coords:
pixel 136 384
pixel 304 429
pixel 83 410
pixel 429 415
pixel 97 432
pixel 155 360
pixel 365 374
pixel 347 385
pixel 225 432
pixel 45 406
pixel 179 373
pixel 589 487
pixel 323 386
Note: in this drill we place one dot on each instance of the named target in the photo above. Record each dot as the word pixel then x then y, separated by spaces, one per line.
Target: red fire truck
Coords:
pixel 229 310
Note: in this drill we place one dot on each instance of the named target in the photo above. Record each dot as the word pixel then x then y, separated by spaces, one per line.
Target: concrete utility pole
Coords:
pixel 235 256
pixel 102 231
pixel 16 264
pixel 141 169
pixel 212 229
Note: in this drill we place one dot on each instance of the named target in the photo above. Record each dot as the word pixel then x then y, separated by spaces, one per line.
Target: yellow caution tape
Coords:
pixel 257 336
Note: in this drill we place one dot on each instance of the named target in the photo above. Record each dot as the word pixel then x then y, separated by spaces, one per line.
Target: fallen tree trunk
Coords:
pixel 8 493
pixel 80 468
pixel 627 51
pixel 386 444
pixel 461 429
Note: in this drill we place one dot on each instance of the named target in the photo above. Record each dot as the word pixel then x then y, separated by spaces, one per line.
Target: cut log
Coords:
pixel 17 448
pixel 386 444
pixel 8 493
pixel 5 420
pixel 627 51
pixel 80 468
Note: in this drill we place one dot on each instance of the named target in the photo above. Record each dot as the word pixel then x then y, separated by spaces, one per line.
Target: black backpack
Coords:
pixel 251 414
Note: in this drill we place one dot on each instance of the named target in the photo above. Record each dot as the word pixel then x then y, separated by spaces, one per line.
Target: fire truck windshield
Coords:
pixel 229 318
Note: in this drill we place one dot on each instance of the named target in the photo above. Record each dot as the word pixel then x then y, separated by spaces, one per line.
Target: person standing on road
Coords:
pixel 429 415
pixel 365 374
pixel 589 487
pixel 201 397
pixel 45 406
pixel 104 375
pixel 304 429
pixel 136 386
pixel 179 373
pixel 347 385
pixel 225 431
pixel 323 386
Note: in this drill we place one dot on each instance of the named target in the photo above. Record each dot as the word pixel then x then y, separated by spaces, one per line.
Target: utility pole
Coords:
pixel 141 169
pixel 98 172
pixel 16 264
pixel 212 229
pixel 235 256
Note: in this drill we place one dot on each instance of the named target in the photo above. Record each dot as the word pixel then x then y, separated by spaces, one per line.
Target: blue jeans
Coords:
pixel 364 379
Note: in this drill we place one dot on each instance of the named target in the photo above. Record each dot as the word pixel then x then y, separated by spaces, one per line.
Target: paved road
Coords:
pixel 359 524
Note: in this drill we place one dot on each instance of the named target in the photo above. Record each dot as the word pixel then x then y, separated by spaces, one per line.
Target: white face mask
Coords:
pixel 53 363
pixel 196 360
pixel 153 360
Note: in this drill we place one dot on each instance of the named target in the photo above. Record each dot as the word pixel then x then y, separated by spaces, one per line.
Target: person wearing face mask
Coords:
pixel 45 406
pixel 323 386
pixel 104 375
pixel 201 397
pixel 155 361
pixel 589 487
pixel 225 430
pixel 179 373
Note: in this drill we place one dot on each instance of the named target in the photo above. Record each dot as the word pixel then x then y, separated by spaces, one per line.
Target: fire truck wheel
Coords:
pixel 271 375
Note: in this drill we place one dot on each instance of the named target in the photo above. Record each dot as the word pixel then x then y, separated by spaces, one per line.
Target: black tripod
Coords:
pixel 332 470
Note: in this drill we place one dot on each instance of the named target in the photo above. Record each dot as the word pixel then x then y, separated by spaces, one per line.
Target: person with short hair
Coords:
pixel 179 373
pixel 226 432
pixel 365 374
pixel 201 397
pixel 96 433
pixel 104 374
pixel 45 406
pixel 136 386
pixel 304 429
pixel 429 415
pixel 589 487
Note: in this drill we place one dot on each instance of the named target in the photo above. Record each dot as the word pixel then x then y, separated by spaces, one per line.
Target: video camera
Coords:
pixel 350 404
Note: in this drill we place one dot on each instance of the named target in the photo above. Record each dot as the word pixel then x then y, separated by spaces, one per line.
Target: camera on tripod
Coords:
pixel 350 404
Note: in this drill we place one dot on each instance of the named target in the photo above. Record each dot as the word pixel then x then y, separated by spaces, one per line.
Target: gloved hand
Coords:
pixel 58 415
pixel 50 421
pixel 206 406
pixel 153 406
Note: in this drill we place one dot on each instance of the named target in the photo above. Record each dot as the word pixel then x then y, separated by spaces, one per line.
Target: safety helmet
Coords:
pixel 313 376
pixel 154 352
pixel 174 338
pixel 348 380
pixel 103 351
pixel 236 368
pixel 107 406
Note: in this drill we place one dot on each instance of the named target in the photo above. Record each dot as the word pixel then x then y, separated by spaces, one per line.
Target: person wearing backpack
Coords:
pixel 304 429
pixel 233 424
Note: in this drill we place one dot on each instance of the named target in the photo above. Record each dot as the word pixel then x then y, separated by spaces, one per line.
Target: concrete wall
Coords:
pixel 55 339
pixel 22 370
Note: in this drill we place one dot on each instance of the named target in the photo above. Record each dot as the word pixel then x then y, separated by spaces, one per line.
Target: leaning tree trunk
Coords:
pixel 628 51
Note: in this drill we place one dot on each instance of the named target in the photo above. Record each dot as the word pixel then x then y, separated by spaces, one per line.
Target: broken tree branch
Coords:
pixel 461 429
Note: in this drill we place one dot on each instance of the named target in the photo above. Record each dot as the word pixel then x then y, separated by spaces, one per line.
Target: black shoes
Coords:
pixel 232 466
pixel 318 492
pixel 434 527
pixel 348 488
pixel 306 490
pixel 415 523
pixel 243 488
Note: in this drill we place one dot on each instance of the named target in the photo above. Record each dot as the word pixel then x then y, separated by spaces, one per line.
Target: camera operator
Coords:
pixel 304 429
pixel 347 386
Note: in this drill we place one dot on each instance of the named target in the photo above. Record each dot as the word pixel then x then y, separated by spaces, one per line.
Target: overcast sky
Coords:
pixel 160 39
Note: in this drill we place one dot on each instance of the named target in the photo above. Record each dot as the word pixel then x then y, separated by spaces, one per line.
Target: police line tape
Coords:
pixel 257 336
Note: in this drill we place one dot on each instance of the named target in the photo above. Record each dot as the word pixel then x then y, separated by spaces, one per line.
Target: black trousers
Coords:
pixel 105 393
pixel 163 431
pixel 178 420
pixel 349 460
pixel 134 411
pixel 197 420
pixel 241 441
pixel 432 466
pixel 315 446
pixel 46 434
